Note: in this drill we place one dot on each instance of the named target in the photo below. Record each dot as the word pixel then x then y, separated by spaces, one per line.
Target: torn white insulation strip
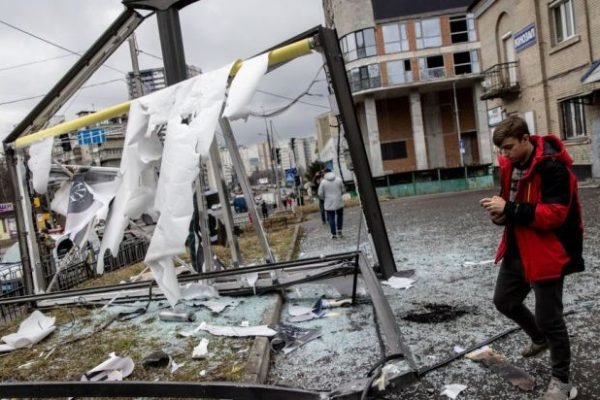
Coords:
pixel 244 86
pixel 40 160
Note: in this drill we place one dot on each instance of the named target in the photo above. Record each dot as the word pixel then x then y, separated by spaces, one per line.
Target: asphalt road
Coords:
pixel 443 238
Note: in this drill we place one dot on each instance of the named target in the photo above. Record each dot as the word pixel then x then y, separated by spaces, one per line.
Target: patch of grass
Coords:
pixel 114 277
pixel 279 240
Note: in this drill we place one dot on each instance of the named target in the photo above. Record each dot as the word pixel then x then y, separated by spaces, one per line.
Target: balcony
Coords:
pixel 501 81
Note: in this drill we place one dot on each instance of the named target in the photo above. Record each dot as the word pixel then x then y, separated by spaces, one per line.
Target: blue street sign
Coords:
pixel 91 136
pixel 525 37
pixel 290 175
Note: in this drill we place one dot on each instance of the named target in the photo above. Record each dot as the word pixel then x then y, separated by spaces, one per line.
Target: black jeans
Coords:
pixel 548 322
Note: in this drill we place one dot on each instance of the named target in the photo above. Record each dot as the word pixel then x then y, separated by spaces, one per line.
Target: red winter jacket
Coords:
pixel 546 213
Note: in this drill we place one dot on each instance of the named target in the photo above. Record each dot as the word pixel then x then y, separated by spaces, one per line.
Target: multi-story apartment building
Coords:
pixel 415 75
pixel 541 61
pixel 153 79
pixel 264 156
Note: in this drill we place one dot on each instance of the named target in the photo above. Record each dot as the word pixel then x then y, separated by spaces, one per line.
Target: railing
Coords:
pixel 131 251
pixel 500 80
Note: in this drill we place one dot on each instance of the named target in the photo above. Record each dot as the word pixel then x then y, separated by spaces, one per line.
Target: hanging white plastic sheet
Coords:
pixel 190 111
pixel 40 159
pixel 244 86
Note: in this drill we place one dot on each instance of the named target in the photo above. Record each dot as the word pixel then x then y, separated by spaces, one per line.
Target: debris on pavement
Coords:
pixel 477 263
pixel 201 351
pixel 31 331
pixel 177 316
pixel 114 369
pixel 453 390
pixel 302 313
pixel 399 283
pixel 239 331
pixel 499 364
pixel 216 306
pixel 157 359
pixel 289 337
pixel 197 291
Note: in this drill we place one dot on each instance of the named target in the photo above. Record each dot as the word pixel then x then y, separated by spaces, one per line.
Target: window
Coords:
pixel 358 44
pixel 466 63
pixel 564 22
pixel 395 38
pixel 393 150
pixel 428 33
pixel 573 118
pixel 364 78
pixel 399 72
pixel 462 29
pixel 431 67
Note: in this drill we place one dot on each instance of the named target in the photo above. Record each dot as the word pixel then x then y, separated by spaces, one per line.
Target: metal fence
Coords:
pixel 131 251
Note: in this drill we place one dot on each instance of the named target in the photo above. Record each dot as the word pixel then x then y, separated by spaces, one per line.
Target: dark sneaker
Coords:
pixel 339 234
pixel 533 349
pixel 558 390
pixel 334 237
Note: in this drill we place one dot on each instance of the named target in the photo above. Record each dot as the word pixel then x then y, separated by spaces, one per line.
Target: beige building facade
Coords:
pixel 415 75
pixel 540 61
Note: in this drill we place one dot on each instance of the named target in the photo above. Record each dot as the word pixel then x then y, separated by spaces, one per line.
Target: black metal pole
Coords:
pixel 171 43
pixel 368 196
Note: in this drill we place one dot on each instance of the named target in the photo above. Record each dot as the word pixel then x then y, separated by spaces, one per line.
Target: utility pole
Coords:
pixel 135 65
pixel 298 187
pixel 273 163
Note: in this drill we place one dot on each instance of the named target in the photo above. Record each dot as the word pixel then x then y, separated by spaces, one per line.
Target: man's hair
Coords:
pixel 327 170
pixel 512 126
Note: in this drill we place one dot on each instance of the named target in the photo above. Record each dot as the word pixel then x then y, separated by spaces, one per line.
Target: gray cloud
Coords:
pixel 215 32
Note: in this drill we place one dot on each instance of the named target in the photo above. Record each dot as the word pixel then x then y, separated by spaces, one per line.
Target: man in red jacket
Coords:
pixel 542 240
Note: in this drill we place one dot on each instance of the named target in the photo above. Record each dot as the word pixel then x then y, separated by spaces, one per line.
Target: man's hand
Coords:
pixel 493 205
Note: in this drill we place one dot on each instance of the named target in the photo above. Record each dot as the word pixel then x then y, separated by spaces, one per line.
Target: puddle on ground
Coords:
pixel 436 313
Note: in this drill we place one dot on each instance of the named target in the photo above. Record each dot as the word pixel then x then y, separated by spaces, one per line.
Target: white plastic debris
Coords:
pixel 198 291
pixel 250 280
pixel 114 369
pixel 175 366
pixel 458 349
pixel 477 263
pixel 399 283
pixel 239 331
pixel 31 331
pixel 453 390
pixel 203 372
pixel 245 324
pixel 201 351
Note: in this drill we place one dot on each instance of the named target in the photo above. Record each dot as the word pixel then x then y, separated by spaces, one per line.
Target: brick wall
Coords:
pixel 393 117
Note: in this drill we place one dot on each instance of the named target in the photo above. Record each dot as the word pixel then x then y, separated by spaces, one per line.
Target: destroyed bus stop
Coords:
pixel 284 274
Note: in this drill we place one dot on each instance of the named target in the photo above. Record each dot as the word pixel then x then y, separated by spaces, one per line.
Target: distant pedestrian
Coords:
pixel 330 191
pixel 316 181
pixel 542 241
pixel 264 209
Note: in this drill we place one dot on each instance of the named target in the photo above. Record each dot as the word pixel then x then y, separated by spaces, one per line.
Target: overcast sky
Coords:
pixel 215 32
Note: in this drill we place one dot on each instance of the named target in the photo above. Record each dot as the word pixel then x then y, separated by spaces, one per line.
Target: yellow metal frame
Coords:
pixel 276 57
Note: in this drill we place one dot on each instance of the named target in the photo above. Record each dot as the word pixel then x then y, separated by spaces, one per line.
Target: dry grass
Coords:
pixel 114 277
pixel 279 240
pixel 226 362
pixel 84 351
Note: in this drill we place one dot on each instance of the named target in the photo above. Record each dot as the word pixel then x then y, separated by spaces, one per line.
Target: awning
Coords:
pixel 592 74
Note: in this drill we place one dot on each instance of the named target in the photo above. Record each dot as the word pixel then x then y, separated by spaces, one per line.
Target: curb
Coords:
pixel 257 367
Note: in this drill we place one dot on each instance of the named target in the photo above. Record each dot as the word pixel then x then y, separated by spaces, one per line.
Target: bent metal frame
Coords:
pixel 30 130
